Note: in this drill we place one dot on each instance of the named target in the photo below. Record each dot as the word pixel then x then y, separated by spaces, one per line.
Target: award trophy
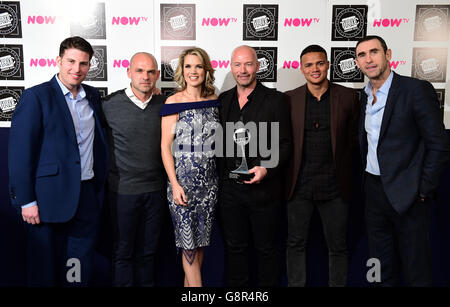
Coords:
pixel 241 137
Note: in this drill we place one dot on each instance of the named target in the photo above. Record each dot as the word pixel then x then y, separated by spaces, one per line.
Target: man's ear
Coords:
pixel 389 54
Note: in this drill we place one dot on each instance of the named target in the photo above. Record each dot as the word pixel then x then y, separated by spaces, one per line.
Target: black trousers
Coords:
pixel 334 215
pixel 136 222
pixel 247 214
pixel 51 246
pixel 400 242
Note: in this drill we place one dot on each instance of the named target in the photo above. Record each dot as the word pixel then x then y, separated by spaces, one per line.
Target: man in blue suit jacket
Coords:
pixel 57 167
pixel 404 148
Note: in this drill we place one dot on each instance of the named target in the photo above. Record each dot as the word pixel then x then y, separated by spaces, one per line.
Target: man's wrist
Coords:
pixel 422 197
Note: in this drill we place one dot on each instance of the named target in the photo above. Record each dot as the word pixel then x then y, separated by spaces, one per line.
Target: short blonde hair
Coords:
pixel 208 84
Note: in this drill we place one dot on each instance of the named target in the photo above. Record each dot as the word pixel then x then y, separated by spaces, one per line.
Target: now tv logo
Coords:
pixel 128 20
pixel 221 22
pixel 395 64
pixel 291 64
pixel 121 63
pixel 42 62
pixel 300 22
pixel 41 19
pixel 389 22
pixel 220 63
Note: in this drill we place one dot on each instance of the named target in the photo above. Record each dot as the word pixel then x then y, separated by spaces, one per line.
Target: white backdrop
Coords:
pixel 121 28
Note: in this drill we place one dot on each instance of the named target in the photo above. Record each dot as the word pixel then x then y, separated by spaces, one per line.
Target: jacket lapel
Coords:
pixel 390 101
pixel 334 103
pixel 62 104
pixel 362 120
pixel 298 109
pixel 259 96
pixel 225 106
pixel 98 122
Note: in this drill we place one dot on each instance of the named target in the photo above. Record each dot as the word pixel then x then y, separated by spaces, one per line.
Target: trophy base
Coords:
pixel 241 176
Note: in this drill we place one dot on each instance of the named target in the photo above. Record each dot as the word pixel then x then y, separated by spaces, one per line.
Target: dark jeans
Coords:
pixel 246 214
pixel 334 215
pixel 393 237
pixel 136 221
pixel 51 245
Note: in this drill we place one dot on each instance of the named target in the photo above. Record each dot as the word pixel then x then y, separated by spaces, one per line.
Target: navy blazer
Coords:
pixel 413 146
pixel 43 155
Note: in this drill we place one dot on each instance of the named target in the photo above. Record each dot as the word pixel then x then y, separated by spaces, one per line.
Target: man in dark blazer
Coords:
pixel 404 148
pixel 57 166
pixel 249 209
pixel 324 119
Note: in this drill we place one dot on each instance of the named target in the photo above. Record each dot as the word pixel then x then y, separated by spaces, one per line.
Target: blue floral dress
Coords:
pixel 195 167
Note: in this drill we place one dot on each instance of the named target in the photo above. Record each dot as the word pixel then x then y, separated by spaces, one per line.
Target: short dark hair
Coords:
pixel 313 48
pixel 371 37
pixel 76 42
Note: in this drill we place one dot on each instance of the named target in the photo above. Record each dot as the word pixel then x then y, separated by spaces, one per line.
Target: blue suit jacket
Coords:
pixel 43 156
pixel 413 147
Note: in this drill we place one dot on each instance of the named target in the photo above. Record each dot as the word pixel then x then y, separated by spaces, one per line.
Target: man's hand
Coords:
pixel 31 215
pixel 259 172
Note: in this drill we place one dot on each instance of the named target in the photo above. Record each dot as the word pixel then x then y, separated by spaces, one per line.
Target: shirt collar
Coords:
pixel 384 89
pixel 81 92
pixel 132 96
pixel 253 93
pixel 324 95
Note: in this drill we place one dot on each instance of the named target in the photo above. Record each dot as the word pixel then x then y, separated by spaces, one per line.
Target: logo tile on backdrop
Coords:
pixel 98 70
pixel 260 22
pixel 169 61
pixel 103 91
pixel 432 23
pixel 267 58
pixel 91 24
pixel 10 19
pixel 441 97
pixel 178 22
pixel 430 64
pixel 349 22
pixel 168 91
pixel 9 98
pixel 343 66
pixel 11 62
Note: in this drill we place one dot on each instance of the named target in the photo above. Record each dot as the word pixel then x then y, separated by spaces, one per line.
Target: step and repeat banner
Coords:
pixel 417 31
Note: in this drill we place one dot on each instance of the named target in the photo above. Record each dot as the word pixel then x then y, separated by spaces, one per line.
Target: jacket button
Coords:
pixel 77 162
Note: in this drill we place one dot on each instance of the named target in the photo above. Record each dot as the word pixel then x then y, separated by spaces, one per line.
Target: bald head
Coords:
pixel 244 49
pixel 143 72
pixel 244 66
pixel 139 56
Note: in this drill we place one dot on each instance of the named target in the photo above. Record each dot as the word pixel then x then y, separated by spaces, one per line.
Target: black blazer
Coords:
pixel 272 107
pixel 413 146
pixel 344 117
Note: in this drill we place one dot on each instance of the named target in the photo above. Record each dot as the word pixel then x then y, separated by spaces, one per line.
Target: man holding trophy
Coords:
pixel 256 125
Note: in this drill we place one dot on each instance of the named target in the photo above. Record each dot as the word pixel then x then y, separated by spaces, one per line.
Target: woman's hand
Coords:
pixel 179 197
